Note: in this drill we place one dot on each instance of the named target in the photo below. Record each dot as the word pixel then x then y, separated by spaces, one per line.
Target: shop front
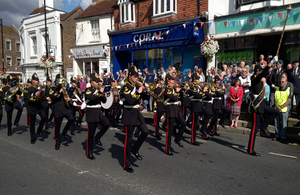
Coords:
pixel 243 37
pixel 170 44
pixel 87 59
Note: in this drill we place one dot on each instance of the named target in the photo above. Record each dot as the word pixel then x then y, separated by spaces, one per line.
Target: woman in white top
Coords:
pixel 246 84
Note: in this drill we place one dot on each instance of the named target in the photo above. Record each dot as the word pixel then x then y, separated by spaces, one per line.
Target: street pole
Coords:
pixel 2 45
pixel 46 33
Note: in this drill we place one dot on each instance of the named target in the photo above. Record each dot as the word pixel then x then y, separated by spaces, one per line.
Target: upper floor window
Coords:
pixel 127 11
pixel 18 47
pixel 246 2
pixel 18 61
pixel 8 61
pixel 95 30
pixel 34 45
pixel 161 7
pixel 8 45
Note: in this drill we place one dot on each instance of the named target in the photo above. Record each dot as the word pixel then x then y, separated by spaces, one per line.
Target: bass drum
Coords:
pixel 109 101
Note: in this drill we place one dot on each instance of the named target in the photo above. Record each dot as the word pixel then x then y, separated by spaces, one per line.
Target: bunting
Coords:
pixel 233 23
pixel 280 15
pixel 251 21
pixel 225 23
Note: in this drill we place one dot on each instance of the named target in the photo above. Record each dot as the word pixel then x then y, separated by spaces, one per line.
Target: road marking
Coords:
pixel 82 172
pixel 238 147
pixel 276 154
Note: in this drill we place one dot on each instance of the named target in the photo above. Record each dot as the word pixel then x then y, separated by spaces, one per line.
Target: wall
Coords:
pixel 185 9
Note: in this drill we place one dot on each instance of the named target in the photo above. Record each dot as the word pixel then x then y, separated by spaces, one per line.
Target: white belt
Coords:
pixel 205 101
pixel 94 106
pixel 75 100
pixel 135 106
pixel 196 100
pixel 217 98
pixel 246 91
pixel 173 103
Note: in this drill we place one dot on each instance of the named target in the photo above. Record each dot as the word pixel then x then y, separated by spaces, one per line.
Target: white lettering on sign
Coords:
pixel 148 37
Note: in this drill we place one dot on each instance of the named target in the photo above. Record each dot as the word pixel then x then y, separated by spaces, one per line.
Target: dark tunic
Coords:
pixel 158 104
pixel 10 105
pixel 207 97
pixel 93 98
pixel 195 95
pixel 60 107
pixel 257 86
pixel 218 100
pixel 131 116
pixel 172 111
pixel 25 93
pixel 34 105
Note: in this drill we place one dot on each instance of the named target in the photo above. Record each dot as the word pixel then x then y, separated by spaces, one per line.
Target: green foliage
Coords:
pixel 235 56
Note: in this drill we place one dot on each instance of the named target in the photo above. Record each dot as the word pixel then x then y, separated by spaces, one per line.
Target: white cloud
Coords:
pixel 85 3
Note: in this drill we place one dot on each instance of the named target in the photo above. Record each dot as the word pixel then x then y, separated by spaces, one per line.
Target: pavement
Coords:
pixel 218 166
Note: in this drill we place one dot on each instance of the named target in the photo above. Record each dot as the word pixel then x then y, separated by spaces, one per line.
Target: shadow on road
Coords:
pixel 237 147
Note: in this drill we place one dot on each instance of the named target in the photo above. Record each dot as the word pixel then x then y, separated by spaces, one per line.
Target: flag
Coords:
pixel 202 24
pixel 116 48
pixel 165 33
pixel 184 25
pixel 225 23
pixel 242 22
pixel 131 44
pixel 280 15
pixel 209 24
pixel 218 23
pixel 119 47
pixel 270 17
pixel 233 23
pixel 187 23
pixel 291 13
pixel 251 21
pixel 260 19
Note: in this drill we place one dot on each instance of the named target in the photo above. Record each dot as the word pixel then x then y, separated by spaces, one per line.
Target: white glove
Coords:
pixel 275 59
pixel 83 106
pixel 74 104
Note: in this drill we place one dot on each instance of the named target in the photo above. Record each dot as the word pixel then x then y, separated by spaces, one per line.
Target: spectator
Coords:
pixel 119 77
pixel 267 90
pixel 246 84
pixel 155 74
pixel 274 81
pixel 235 95
pixel 82 84
pixel 261 61
pixel 85 78
pixel 176 78
pixel 189 72
pixel 248 70
pixel 289 71
pixel 227 79
pixel 195 68
pixel 289 84
pixel 209 77
pixel 234 72
pixel 88 84
pixel 202 76
pixel 162 73
pixel 242 64
pixel 283 97
pixel 252 70
pixel 221 76
pixel 224 68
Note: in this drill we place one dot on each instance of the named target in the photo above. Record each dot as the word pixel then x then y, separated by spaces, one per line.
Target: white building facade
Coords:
pixel 32 35
pixel 247 28
pixel 92 50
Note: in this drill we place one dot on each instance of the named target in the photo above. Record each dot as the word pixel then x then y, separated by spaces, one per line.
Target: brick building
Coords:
pixel 158 33
pixel 12 52
pixel 68 33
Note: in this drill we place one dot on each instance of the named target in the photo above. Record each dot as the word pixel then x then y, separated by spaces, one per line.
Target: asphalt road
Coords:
pixel 217 166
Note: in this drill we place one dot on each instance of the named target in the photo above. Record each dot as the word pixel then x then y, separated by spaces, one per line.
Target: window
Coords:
pixel 18 47
pixel 8 61
pixel 162 7
pixel 8 45
pixel 246 2
pixel 34 45
pixel 127 11
pixel 95 30
pixel 18 61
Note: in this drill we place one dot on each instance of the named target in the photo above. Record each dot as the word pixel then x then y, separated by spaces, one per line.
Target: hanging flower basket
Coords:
pixel 209 47
pixel 45 63
pixel 3 75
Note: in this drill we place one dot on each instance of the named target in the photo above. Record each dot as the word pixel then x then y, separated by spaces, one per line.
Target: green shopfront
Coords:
pixel 244 36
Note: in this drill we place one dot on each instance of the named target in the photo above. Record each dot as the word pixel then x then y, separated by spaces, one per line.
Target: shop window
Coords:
pixel 250 41
pixel 173 58
pixel 291 37
pixel 127 11
pixel 239 42
pixel 139 59
pixel 95 30
pixel 155 59
pixel 162 7
pixel 191 58
pixel 8 61
pixel 8 44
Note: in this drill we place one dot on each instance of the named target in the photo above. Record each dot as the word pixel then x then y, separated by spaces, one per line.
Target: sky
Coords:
pixel 13 11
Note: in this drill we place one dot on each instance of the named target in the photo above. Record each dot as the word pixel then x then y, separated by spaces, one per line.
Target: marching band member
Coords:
pixel 11 104
pixel 258 105
pixel 158 105
pixel 132 117
pixel 75 95
pixel 206 110
pixel 45 103
pixel 35 107
pixel 217 96
pixel 171 96
pixel 25 93
pixel 94 116
pixel 61 109
pixel 115 110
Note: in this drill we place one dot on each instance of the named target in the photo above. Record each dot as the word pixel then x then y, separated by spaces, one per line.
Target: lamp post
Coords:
pixel 2 45
pixel 46 33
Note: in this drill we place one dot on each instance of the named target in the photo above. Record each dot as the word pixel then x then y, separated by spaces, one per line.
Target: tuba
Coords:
pixel 13 90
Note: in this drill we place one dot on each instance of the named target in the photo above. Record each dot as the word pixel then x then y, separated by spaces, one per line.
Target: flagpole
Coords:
pixel 288 9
